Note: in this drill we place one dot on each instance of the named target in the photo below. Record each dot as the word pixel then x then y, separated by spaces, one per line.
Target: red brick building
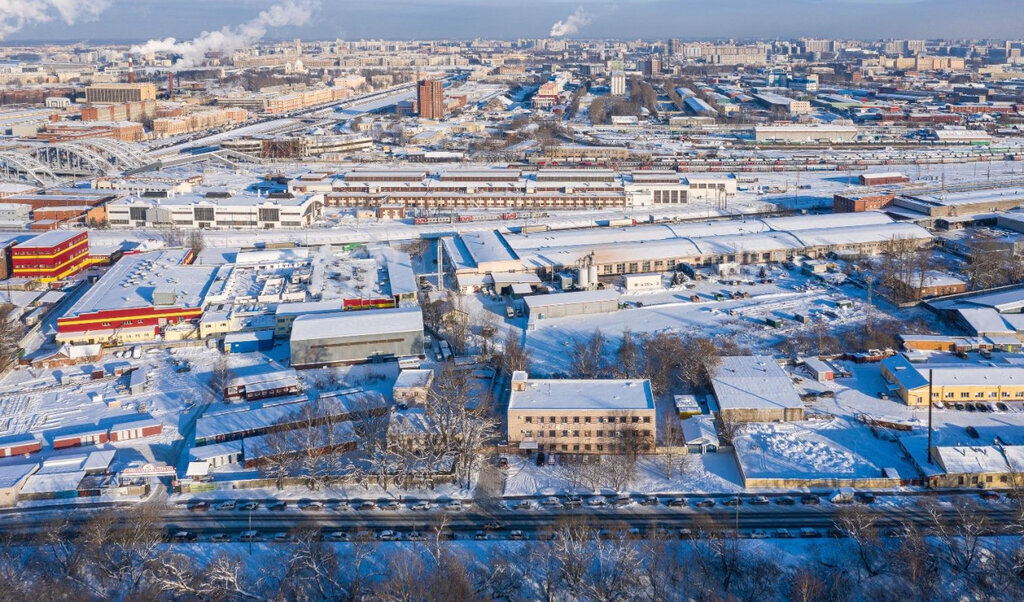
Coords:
pixel 857 203
pixel 430 93
pixel 52 256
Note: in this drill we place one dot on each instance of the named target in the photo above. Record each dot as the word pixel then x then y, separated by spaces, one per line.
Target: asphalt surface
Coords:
pixel 501 520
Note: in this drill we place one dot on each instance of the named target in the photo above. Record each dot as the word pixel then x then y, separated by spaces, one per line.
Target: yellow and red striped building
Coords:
pixel 51 256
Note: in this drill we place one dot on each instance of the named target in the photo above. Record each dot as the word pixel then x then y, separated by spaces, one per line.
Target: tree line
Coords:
pixel 927 554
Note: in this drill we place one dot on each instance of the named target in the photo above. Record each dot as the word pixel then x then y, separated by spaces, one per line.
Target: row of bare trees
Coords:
pixel 672 361
pixel 11 331
pixel 939 555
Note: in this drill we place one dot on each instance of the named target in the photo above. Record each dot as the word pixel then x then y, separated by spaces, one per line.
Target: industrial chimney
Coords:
pixel 131 70
pixel 170 85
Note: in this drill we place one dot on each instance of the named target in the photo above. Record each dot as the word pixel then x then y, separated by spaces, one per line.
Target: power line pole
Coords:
pixel 929 450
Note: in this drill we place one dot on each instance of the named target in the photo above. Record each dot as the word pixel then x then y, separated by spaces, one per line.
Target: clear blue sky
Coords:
pixel 429 19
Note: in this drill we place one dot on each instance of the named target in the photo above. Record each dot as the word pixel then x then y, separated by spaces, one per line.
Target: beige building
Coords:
pixel 952 383
pixel 581 416
pixel 120 93
pixel 754 388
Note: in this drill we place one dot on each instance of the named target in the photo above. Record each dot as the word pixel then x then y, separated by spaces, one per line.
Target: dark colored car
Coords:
pixel 810 499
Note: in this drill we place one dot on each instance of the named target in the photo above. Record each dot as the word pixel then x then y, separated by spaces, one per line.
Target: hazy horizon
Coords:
pixel 133 21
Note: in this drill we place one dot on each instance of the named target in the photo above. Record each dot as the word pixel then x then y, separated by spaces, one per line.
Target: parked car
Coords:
pixel 864 497
pixel 415 536
pixel 551 502
pixel 312 507
pixel 970 406
pixel 759 534
pixel 810 499
pixel 1002 406
pixel 228 505
pixel 249 536
pixel 808 532
pixel 646 500
pixel 391 505
pixel 598 501
pixel 622 500
pixel 277 505
pixel 686 533
pixel 959 406
pixel 455 506
pixel 492 526
pixel 705 503
pixel 198 506
pixel 340 505
pixel 221 538
pixel 973 432
pixel 387 535
pixel 783 534
pixel 479 535
pixel 573 501
pixel 732 501
pixel 785 501
pixel 366 505
pixel 336 536
pixel 676 502
pixel 989 495
pixel 248 506
pixel 759 501
pixel 516 534
pixel 421 505
pixel 184 536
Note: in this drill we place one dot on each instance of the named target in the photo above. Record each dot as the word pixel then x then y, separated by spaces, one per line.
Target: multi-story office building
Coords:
pixel 581 416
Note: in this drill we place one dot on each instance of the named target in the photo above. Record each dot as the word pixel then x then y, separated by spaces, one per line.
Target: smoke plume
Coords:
pixel 228 39
pixel 16 14
pixel 572 24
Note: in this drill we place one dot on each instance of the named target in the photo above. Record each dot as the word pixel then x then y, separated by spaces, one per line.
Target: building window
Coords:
pixel 647 419
pixel 600 433
pixel 529 420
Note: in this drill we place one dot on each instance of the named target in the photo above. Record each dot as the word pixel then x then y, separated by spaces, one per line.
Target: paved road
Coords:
pixel 499 521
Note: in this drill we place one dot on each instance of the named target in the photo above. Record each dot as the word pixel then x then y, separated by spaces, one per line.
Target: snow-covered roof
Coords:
pixel 131 282
pixel 539 302
pixel 413 379
pixel 983 320
pixel 700 430
pixel 582 395
pixel 753 382
pixel 368 322
pixel 984 459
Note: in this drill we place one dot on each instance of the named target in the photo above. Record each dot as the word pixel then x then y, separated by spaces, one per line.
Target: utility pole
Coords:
pixel 929 450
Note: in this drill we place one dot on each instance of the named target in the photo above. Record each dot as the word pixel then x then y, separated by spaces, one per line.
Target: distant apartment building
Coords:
pixel 119 93
pixel 430 96
pixel 618 84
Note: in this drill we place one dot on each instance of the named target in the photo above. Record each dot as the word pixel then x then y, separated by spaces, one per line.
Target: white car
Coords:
pixel 598 501
pixel 387 535
pixel 455 506
pixel 421 505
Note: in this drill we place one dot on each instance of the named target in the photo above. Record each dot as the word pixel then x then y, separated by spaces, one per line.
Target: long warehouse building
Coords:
pixel 356 336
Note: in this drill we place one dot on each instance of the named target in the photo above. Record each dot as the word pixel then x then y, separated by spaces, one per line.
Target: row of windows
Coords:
pixel 587 447
pixel 609 434
pixel 981 395
pixel 586 419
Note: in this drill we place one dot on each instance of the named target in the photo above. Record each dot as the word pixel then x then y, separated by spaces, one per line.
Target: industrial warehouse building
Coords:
pixel 805 133
pixel 216 210
pixel 662 247
pixel 559 305
pixel 356 336
pixel 755 389
pixel 142 296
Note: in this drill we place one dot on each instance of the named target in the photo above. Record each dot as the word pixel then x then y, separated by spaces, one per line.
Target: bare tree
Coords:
pixel 195 241
pixel 587 357
pixel 629 358
pixel 960 537
pixel 861 526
